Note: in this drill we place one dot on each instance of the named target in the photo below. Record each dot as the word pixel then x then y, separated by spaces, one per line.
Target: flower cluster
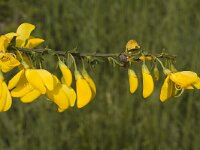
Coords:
pixel 174 84
pixel 29 83
pixel 18 52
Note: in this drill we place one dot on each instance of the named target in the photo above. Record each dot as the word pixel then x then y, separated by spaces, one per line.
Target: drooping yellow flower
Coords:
pixel 184 78
pixel 23 36
pixel 67 75
pixel 168 89
pixel 91 83
pixel 22 89
pixel 39 79
pixel 148 84
pixel 8 62
pixel 83 90
pixel 181 80
pixel 5 97
pixel 58 95
pixel 133 80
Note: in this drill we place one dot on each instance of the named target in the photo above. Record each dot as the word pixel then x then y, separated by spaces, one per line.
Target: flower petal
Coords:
pixel 67 75
pixel 32 43
pixel 71 94
pixel 8 101
pixel 35 80
pixel 14 81
pixel 30 96
pixel 84 92
pixel 166 90
pixel 133 81
pixel 132 44
pixel 90 82
pixel 184 78
pixel 23 31
pixel 148 84
pixel 47 78
pixel 3 96
pixel 22 89
pixel 59 97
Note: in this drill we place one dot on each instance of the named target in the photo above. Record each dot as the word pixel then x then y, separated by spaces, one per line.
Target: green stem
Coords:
pixel 75 67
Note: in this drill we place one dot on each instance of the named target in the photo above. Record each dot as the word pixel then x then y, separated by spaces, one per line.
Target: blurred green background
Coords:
pixel 115 120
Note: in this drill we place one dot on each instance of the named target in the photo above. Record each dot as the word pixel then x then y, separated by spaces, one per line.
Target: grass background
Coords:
pixel 115 119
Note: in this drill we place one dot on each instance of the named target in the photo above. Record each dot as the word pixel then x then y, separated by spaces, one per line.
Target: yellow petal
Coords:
pixel 197 84
pixel 133 80
pixel 22 89
pixel 70 94
pixel 148 84
pixel 165 90
pixel 35 80
pixel 184 78
pixel 3 96
pixel 84 92
pixel 47 78
pixel 67 75
pixel 10 35
pixel 30 96
pixel 90 82
pixel 32 43
pixel 23 31
pixel 13 82
pixel 132 44
pixel 8 101
pixel 8 62
pixel 59 97
pixel 3 43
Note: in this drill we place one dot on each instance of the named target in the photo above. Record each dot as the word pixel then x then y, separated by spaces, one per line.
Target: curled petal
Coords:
pixel 34 42
pixel 184 78
pixel 23 31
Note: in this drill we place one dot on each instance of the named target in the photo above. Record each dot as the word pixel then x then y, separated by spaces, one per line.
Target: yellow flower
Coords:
pixel 91 83
pixel 22 88
pixel 132 45
pixel 23 39
pixel 148 84
pixel 29 84
pixel 83 90
pixel 133 80
pixel 67 75
pixel 58 95
pixel 5 97
pixel 8 62
pixel 71 94
pixel 179 80
pixel 5 40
